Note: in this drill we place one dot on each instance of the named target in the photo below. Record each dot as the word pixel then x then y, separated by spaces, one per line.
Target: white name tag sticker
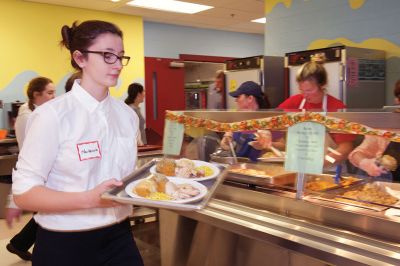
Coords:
pixel 88 150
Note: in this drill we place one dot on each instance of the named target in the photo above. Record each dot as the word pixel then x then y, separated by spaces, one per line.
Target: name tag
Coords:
pixel 88 150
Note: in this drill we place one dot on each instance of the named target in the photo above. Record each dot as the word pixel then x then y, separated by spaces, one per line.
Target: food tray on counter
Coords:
pixel 325 182
pixel 272 157
pixel 367 195
pixel 275 174
pixel 126 193
pixel 260 174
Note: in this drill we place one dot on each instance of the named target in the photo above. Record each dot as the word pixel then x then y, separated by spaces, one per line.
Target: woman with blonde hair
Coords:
pixel 312 79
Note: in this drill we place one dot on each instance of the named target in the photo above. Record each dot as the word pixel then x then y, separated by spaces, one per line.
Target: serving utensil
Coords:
pixel 233 152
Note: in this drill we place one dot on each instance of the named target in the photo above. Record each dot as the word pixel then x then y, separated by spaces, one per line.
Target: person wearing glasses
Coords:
pixel 88 150
pixel 40 90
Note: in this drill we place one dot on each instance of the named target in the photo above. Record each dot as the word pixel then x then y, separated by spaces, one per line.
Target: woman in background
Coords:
pixel 312 79
pixel 40 90
pixel 251 144
pixel 135 97
pixel 71 80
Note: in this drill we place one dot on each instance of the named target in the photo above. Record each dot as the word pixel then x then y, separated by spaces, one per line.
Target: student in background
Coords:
pixel 396 93
pixel 135 97
pixel 71 80
pixel 88 150
pixel 215 97
pixel 40 90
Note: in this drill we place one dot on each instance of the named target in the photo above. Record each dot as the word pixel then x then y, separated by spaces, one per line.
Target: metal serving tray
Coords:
pixel 336 194
pixel 118 194
pixel 260 174
pixel 327 179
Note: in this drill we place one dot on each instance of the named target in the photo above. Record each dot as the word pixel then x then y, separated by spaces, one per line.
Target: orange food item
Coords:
pixel 166 167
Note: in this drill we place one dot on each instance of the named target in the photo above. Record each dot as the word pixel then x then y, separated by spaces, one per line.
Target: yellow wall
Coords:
pixel 30 35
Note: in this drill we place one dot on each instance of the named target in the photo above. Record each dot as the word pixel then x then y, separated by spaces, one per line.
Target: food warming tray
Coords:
pixel 118 194
pixel 336 195
pixel 274 174
pixel 261 174
pixel 324 182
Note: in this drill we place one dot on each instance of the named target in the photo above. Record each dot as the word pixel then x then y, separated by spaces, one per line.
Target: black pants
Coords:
pixel 26 237
pixel 113 246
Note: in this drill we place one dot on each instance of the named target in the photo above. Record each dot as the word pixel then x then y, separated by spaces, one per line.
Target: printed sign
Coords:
pixel 173 137
pixel 352 72
pixel 305 148
pixel 88 150
pixel 232 85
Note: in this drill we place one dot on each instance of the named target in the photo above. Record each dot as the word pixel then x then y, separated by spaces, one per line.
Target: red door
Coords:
pixel 164 91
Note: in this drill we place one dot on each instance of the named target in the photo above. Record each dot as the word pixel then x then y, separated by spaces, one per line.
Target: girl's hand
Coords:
pixel 94 195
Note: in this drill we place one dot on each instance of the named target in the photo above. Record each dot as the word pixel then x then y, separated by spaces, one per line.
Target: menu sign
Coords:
pixel 305 148
pixel 173 137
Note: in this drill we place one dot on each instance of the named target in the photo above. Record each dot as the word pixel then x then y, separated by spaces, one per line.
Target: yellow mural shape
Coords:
pixel 356 4
pixel 31 43
pixel 391 49
pixel 270 4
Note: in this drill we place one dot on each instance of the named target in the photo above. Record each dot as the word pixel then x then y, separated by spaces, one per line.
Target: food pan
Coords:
pixel 120 195
pixel 373 200
pixel 260 174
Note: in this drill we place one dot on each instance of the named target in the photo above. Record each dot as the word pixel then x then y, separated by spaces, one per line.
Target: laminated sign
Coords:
pixel 305 148
pixel 173 137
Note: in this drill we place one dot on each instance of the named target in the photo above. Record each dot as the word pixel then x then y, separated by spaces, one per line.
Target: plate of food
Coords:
pixel 184 168
pixel 171 189
pixel 272 157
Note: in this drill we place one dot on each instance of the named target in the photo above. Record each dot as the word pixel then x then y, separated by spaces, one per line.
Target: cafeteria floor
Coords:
pixel 145 231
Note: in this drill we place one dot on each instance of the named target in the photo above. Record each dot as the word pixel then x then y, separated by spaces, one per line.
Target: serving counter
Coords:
pixel 250 224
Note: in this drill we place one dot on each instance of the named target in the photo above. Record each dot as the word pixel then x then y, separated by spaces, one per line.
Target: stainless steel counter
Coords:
pixel 329 234
pixel 269 226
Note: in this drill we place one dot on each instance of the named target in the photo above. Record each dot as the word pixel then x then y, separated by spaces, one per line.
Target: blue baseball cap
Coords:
pixel 248 88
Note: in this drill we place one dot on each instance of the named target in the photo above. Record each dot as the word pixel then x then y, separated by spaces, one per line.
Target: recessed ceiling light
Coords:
pixel 170 6
pixel 260 20
pixel 115 1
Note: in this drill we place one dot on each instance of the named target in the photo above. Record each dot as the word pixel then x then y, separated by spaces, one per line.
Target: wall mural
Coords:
pixel 298 25
pixel 270 4
pixel 33 50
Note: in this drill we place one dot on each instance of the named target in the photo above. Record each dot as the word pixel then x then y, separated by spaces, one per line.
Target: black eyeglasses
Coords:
pixel 111 58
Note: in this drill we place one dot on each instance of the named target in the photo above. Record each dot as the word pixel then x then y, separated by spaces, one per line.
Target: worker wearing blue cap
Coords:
pixel 249 96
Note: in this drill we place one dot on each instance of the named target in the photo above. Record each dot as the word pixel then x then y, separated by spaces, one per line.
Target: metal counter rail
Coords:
pixel 321 241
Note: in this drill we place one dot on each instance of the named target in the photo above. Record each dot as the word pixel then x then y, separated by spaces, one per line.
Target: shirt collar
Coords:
pixel 87 100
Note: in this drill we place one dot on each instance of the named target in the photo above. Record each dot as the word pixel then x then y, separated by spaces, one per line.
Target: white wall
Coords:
pixel 167 40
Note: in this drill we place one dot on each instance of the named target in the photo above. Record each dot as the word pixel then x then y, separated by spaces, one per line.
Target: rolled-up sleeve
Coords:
pixel 38 152
pixel 371 147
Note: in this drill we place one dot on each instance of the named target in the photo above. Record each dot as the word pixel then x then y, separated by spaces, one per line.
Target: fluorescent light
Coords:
pixel 170 6
pixel 260 20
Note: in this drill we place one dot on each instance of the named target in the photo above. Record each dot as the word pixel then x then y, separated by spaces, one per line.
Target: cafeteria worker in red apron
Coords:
pixel 312 79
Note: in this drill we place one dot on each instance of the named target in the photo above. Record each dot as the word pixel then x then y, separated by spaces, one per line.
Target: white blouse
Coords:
pixel 74 143
pixel 20 123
